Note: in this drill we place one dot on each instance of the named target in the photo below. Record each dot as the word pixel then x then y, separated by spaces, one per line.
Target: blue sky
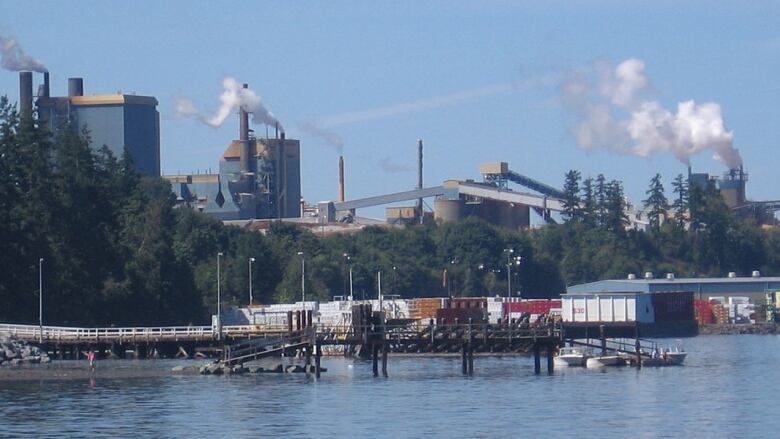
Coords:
pixel 477 81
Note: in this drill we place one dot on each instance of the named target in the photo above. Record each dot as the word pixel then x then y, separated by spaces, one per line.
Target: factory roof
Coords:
pixel 117 99
pixel 233 151
pixel 712 285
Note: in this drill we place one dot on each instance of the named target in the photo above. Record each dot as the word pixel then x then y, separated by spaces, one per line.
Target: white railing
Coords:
pixel 140 334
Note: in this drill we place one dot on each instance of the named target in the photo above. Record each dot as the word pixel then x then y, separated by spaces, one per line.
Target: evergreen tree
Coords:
pixel 589 204
pixel 571 196
pixel 615 218
pixel 680 204
pixel 656 203
pixel 601 199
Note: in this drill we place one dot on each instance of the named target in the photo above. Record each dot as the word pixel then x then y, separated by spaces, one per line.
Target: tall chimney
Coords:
pixel 244 137
pixel 44 90
pixel 341 179
pixel 420 177
pixel 25 94
pixel 75 87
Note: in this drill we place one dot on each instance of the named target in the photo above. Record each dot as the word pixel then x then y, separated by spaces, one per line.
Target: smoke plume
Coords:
pixel 12 57
pixel 233 97
pixel 329 137
pixel 617 114
pixel 393 168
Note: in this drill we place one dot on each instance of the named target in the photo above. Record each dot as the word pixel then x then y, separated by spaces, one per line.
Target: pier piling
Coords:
pixel 550 355
pixel 317 357
pixel 537 360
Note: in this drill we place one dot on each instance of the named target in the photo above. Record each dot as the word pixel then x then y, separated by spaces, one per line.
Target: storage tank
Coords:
pixel 448 210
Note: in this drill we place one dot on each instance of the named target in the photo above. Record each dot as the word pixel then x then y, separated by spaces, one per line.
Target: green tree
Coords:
pixel 615 218
pixel 680 204
pixel 656 203
pixel 571 196
pixel 589 204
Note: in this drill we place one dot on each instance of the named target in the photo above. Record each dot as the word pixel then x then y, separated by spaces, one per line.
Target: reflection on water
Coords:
pixel 726 389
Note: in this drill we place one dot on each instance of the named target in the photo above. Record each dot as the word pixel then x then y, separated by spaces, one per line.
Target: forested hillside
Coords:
pixel 116 251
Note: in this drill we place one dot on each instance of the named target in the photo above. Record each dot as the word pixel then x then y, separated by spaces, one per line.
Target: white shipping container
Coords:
pixel 739 300
pixel 608 307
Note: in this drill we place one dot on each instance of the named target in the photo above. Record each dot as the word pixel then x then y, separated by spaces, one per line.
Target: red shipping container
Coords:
pixel 538 306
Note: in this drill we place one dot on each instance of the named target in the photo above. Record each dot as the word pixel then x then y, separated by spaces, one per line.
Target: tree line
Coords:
pixel 117 251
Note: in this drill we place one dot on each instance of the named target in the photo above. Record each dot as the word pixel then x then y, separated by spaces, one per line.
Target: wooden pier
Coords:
pixel 370 336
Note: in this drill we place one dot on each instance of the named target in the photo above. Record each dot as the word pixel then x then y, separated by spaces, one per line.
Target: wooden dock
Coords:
pixel 371 336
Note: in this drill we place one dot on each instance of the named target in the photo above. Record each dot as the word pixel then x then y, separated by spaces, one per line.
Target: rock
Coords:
pixel 15 362
pixel 178 368
pixel 278 369
pixel 45 359
pixel 10 354
pixel 31 359
pixel 238 369
pixel 294 369
pixel 255 369
pixel 204 370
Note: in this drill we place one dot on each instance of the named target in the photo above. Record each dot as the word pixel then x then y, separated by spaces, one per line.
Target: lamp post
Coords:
pixel 509 252
pixel 250 280
pixel 509 261
pixel 349 264
pixel 395 283
pixel 449 283
pixel 303 279
pixel 219 298
pixel 40 300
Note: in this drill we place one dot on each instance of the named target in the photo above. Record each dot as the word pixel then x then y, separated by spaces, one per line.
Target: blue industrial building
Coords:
pixel 123 123
pixel 755 287
pixel 272 191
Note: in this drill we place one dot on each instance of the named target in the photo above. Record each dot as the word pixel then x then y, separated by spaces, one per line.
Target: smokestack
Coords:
pixel 420 177
pixel 244 136
pixel 75 87
pixel 25 94
pixel 341 179
pixel 43 91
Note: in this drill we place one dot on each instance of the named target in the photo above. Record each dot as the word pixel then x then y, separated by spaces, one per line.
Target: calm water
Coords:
pixel 728 388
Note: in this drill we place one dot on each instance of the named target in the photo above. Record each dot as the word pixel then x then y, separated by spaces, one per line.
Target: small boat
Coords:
pixel 667 357
pixel 675 358
pixel 605 360
pixel 568 357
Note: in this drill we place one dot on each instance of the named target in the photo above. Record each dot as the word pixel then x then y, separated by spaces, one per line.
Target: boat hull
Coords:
pixel 569 361
pixel 675 358
pixel 605 361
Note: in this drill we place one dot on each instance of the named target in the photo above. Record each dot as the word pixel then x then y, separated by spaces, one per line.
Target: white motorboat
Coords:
pixel 571 357
pixel 605 361
pixel 674 358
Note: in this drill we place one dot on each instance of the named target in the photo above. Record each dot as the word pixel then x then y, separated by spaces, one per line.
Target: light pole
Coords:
pixel 349 264
pixel 509 260
pixel 449 283
pixel 250 280
pixel 303 279
pixel 395 283
pixel 219 299
pixel 509 252
pixel 40 300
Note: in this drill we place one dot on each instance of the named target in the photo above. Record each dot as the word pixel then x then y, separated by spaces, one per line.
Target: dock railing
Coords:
pixel 64 334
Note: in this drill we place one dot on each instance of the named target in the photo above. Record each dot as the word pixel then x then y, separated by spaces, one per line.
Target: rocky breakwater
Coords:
pixel 15 352
pixel 218 369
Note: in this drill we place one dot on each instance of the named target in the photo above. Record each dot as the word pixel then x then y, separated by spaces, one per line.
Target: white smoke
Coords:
pixel 617 115
pixel 12 57
pixel 233 97
pixel 327 136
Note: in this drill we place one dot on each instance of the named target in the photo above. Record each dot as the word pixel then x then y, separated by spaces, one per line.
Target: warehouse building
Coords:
pixel 755 287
